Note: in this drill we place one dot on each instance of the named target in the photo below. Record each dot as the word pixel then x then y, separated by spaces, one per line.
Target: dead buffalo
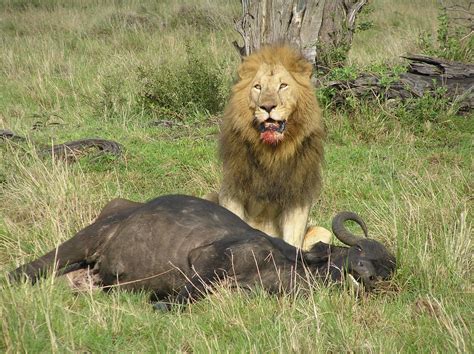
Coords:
pixel 178 246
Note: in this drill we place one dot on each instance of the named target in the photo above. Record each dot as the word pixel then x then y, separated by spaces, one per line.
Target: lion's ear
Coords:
pixel 249 67
pixel 243 71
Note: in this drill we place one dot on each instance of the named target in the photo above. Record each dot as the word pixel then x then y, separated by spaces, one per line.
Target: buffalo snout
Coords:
pixel 365 272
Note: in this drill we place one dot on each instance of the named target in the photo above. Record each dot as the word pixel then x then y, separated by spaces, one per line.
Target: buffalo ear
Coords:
pixel 320 252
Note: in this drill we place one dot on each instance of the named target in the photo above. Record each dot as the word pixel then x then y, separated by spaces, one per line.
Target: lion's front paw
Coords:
pixel 315 234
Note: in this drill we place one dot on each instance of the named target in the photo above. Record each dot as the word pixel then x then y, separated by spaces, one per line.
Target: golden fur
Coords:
pixel 271 179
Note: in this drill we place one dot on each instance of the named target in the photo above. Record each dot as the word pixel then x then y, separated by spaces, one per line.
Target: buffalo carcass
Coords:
pixel 178 246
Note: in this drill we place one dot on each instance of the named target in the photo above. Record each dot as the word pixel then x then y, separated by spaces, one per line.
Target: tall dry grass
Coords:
pixel 396 29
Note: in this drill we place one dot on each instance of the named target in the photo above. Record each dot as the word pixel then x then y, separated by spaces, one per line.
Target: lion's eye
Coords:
pixel 258 87
pixel 282 86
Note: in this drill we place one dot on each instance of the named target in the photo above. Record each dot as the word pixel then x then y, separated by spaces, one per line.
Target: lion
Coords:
pixel 271 144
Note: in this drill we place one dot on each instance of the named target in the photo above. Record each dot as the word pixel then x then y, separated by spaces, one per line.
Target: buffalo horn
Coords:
pixel 342 233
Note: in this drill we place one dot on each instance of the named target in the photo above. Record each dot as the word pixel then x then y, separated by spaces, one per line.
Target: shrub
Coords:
pixel 196 84
pixel 452 42
pixel 432 107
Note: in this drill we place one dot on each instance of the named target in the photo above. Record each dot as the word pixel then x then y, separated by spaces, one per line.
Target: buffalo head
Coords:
pixel 366 260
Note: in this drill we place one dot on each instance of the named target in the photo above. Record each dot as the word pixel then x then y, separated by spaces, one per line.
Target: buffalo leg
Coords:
pixel 83 246
pixel 73 251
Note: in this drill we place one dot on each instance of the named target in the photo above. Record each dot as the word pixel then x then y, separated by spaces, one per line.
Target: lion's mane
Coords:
pixel 289 173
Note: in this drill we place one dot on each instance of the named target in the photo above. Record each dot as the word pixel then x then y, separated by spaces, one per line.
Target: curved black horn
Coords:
pixel 342 233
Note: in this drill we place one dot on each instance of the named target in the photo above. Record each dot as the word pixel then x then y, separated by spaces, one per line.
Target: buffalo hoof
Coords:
pixel 161 306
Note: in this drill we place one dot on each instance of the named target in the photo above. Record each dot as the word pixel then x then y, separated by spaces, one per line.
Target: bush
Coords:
pixel 196 84
pixel 452 42
pixel 431 108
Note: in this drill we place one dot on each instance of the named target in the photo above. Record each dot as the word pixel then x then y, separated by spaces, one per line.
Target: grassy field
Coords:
pixel 154 76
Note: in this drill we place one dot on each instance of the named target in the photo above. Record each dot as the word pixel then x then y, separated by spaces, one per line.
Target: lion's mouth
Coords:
pixel 271 131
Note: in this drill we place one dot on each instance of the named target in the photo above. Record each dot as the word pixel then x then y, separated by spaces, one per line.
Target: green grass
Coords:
pixel 77 69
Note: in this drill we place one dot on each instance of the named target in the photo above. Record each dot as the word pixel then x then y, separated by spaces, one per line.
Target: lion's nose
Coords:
pixel 267 107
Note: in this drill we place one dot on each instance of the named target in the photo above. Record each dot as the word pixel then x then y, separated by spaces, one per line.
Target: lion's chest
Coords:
pixel 274 180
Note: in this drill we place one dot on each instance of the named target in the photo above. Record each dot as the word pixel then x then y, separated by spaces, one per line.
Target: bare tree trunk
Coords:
pixel 317 27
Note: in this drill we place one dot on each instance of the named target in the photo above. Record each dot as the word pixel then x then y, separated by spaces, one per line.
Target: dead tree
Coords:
pixel 316 27
pixel 425 76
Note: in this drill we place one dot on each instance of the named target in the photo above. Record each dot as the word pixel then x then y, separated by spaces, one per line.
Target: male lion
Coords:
pixel 271 144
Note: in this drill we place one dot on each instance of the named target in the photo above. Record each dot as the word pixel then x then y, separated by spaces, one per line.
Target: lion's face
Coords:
pixel 273 99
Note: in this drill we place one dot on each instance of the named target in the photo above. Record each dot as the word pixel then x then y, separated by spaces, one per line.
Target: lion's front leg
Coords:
pixel 233 205
pixel 293 224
